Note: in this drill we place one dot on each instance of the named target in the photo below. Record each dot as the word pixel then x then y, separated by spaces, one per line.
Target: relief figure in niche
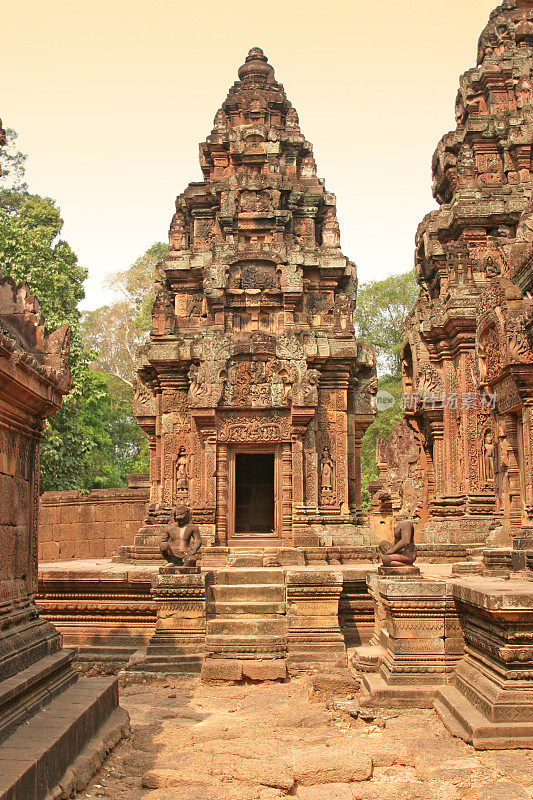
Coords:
pixel 182 476
pixel 253 275
pixel 331 236
pixel 488 456
pixel 327 467
pixel 310 387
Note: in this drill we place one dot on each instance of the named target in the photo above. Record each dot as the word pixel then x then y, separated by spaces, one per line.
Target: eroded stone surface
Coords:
pixel 251 742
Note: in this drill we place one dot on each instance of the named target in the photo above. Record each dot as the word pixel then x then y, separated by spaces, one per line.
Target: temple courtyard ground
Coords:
pixel 307 738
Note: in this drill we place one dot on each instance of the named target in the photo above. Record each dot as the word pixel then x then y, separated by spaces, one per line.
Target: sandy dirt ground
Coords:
pixel 304 739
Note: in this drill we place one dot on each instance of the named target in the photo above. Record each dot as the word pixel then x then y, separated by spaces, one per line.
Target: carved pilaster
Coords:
pixel 222 495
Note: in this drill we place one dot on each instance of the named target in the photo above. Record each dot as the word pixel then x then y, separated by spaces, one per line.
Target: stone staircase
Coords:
pixel 246 633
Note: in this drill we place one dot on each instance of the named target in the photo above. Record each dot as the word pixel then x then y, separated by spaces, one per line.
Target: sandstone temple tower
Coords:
pixel 468 360
pixel 252 390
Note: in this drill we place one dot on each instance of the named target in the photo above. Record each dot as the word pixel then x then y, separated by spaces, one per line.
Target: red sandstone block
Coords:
pixel 66 532
pixel 87 513
pixel 97 549
pixel 67 549
pixel 110 546
pixel 123 512
pixel 45 533
pixel 69 514
pixel 7 543
pixel 80 532
pixel 102 512
pixel 48 551
pixel 48 514
pixel 83 549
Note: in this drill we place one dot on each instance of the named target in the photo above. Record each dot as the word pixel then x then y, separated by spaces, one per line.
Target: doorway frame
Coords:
pixel 245 538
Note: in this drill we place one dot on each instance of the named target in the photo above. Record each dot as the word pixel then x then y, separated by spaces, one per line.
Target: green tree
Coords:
pixel 31 249
pixel 93 441
pixel 116 331
pixel 136 284
pixel 382 308
pixel 111 332
pixel 12 164
pixel 381 428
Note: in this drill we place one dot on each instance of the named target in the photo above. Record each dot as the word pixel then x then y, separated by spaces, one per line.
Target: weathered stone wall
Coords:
pixel 72 525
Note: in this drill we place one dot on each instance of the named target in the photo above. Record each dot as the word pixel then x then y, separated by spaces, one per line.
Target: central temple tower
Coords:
pixel 252 390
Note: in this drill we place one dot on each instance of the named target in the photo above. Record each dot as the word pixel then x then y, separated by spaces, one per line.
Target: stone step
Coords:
pixel 248 640
pixel 228 669
pixel 170 664
pixel 231 627
pixel 245 607
pixel 34 758
pixel 246 562
pixel 238 577
pixel 246 647
pixel 29 690
pixel 248 592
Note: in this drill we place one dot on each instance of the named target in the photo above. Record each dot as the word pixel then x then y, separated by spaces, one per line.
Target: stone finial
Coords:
pixel 256 67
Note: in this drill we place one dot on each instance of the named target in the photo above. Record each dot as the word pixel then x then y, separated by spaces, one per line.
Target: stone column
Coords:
pixel 355 441
pixel 286 493
pixel 513 472
pixel 222 495
pixel 297 473
pixel 152 443
pixel 210 472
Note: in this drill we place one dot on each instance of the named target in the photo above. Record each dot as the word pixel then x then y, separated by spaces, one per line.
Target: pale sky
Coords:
pixel 112 97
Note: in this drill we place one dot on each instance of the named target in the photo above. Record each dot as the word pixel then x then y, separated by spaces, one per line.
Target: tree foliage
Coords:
pixel 31 249
pixel 136 284
pixel 93 441
pixel 116 331
pixel 382 308
pixel 12 164
pixel 381 428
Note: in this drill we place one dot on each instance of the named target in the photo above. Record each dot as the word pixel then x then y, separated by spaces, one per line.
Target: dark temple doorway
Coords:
pixel 254 493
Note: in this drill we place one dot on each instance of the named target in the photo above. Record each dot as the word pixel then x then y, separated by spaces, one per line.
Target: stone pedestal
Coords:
pixel 416 644
pixel 497 562
pixel 490 702
pixel 522 548
pixel 314 637
pixel 177 645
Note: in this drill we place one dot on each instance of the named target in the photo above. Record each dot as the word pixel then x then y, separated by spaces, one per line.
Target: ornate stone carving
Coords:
pixel 253 309
pixel 468 340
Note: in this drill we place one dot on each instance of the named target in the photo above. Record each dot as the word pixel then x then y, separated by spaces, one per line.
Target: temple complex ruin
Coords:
pixel 467 357
pixel 255 395
pixel 253 390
